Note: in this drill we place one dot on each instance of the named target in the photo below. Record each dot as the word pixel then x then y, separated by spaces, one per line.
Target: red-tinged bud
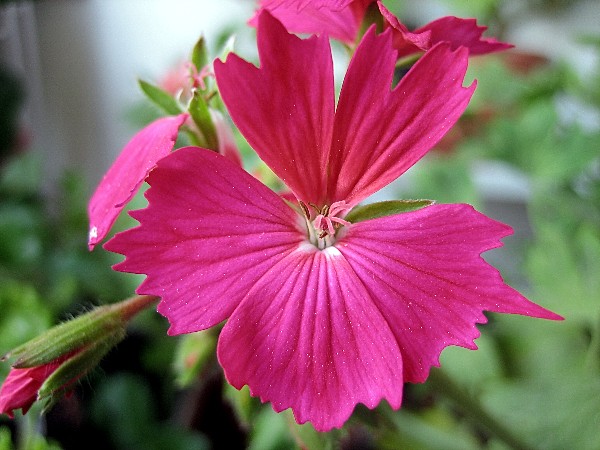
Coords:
pixel 46 367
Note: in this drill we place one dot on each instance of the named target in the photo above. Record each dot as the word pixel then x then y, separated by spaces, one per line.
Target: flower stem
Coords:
pixel 469 406
pixel 130 307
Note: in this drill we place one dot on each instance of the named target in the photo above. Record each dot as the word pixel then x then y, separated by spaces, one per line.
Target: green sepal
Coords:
pixel 160 98
pixel 385 208
pixel 67 337
pixel 200 54
pixel 57 384
pixel 201 115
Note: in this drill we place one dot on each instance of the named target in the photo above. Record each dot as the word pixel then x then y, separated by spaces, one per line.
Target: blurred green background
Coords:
pixel 527 152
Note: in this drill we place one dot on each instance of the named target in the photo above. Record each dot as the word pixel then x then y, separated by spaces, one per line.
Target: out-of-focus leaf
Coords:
pixel 558 413
pixel 125 407
pixel 245 406
pixel 23 233
pixel 5 439
pixel 270 432
pixel 32 441
pixel 431 430
pixel 193 352
pixel 200 54
pixel 444 178
pixel 21 176
pixel 564 265
pixel 24 314
pixel 160 98
pixel 472 368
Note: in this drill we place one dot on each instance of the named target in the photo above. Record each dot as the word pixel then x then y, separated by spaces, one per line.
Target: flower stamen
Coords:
pixel 323 223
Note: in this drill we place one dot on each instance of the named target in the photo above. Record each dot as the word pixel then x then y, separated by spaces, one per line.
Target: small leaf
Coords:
pixel 386 208
pixel 200 54
pixel 160 98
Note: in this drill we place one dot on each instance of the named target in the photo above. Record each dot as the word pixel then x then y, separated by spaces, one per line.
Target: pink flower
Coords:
pixel 340 19
pixel 19 390
pixel 322 314
pixel 453 30
pixel 128 172
pixel 179 80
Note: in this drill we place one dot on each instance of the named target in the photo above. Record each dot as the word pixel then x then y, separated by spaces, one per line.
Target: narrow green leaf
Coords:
pixel 386 208
pixel 200 54
pixel 160 98
pixel 203 120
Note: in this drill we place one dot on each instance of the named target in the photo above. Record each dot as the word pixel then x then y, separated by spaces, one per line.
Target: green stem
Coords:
pixel 130 307
pixel 469 406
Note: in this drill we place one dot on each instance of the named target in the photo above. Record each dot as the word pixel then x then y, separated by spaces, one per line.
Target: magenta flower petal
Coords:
pixel 338 19
pixel 333 5
pixel 308 336
pixel 368 152
pixel 424 273
pixel 462 32
pixel 405 42
pixel 19 390
pixel 128 172
pixel 452 30
pixel 210 232
pixel 284 109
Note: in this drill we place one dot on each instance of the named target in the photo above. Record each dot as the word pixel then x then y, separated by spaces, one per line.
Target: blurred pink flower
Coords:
pixel 322 313
pixel 453 30
pixel 340 19
pixel 179 80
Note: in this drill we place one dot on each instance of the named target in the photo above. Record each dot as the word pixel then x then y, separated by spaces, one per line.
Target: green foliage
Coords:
pixel 34 443
pixel 160 98
pixel 24 315
pixel 200 55
pixel 556 414
pixel 136 425
pixel 385 208
pixel 194 351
